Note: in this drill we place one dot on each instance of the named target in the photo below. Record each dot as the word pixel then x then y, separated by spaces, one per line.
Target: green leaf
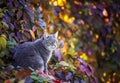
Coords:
pixel 73 68
pixel 41 80
pixel 34 73
pixel 47 79
pixel 72 52
pixel 4 52
pixel 34 77
pixel 11 44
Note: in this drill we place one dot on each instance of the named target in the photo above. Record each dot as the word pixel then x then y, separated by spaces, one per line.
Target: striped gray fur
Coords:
pixel 36 54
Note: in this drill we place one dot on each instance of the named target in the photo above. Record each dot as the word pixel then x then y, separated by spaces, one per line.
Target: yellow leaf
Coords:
pixel 3 42
pixel 72 52
pixel 1 15
pixel 73 68
pixel 72 45
pixel 32 34
pixel 61 2
pixel 84 56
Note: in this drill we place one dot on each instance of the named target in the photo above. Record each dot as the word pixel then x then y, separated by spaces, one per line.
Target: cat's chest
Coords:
pixel 46 55
pixel 50 55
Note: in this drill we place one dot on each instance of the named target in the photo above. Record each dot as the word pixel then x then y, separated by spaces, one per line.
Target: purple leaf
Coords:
pixel 17 4
pixel 57 10
pixel 61 44
pixel 88 72
pixel 28 9
pixel 77 81
pixel 19 35
pixel 6 18
pixel 30 12
pixel 22 2
pixel 58 54
pixel 82 61
pixel 26 19
pixel 87 69
pixel 61 74
pixel 42 24
pixel 96 80
pixel 90 52
pixel 19 14
pixel 109 29
pixel 69 76
pixel 10 5
pixel 101 7
pixel 11 13
pixel 15 24
pixel 28 80
pixel 34 28
pixel 82 68
pixel 101 44
pixel 31 15
pixel 11 26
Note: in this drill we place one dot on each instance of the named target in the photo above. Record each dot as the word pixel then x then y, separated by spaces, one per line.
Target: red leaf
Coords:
pixel 56 81
pixel 8 81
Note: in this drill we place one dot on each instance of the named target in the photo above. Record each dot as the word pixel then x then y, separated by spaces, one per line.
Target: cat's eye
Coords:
pixel 47 37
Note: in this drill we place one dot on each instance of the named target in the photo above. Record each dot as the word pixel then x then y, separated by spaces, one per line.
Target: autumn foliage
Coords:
pixel 89 48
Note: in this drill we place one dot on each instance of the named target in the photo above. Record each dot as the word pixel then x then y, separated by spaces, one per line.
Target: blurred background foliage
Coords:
pixel 89 35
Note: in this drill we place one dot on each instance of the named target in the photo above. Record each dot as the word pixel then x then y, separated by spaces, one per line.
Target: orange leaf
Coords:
pixel 32 34
pixel 23 73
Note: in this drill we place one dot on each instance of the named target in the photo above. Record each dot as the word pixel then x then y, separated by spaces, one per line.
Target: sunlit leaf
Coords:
pixel 61 2
pixel 72 53
pixel 72 67
pixel 63 63
pixel 84 56
pixel 3 42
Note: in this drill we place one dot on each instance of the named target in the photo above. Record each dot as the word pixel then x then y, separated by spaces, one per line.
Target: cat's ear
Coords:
pixel 56 34
pixel 45 35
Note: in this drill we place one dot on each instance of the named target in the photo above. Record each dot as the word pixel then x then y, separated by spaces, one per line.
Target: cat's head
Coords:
pixel 50 41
